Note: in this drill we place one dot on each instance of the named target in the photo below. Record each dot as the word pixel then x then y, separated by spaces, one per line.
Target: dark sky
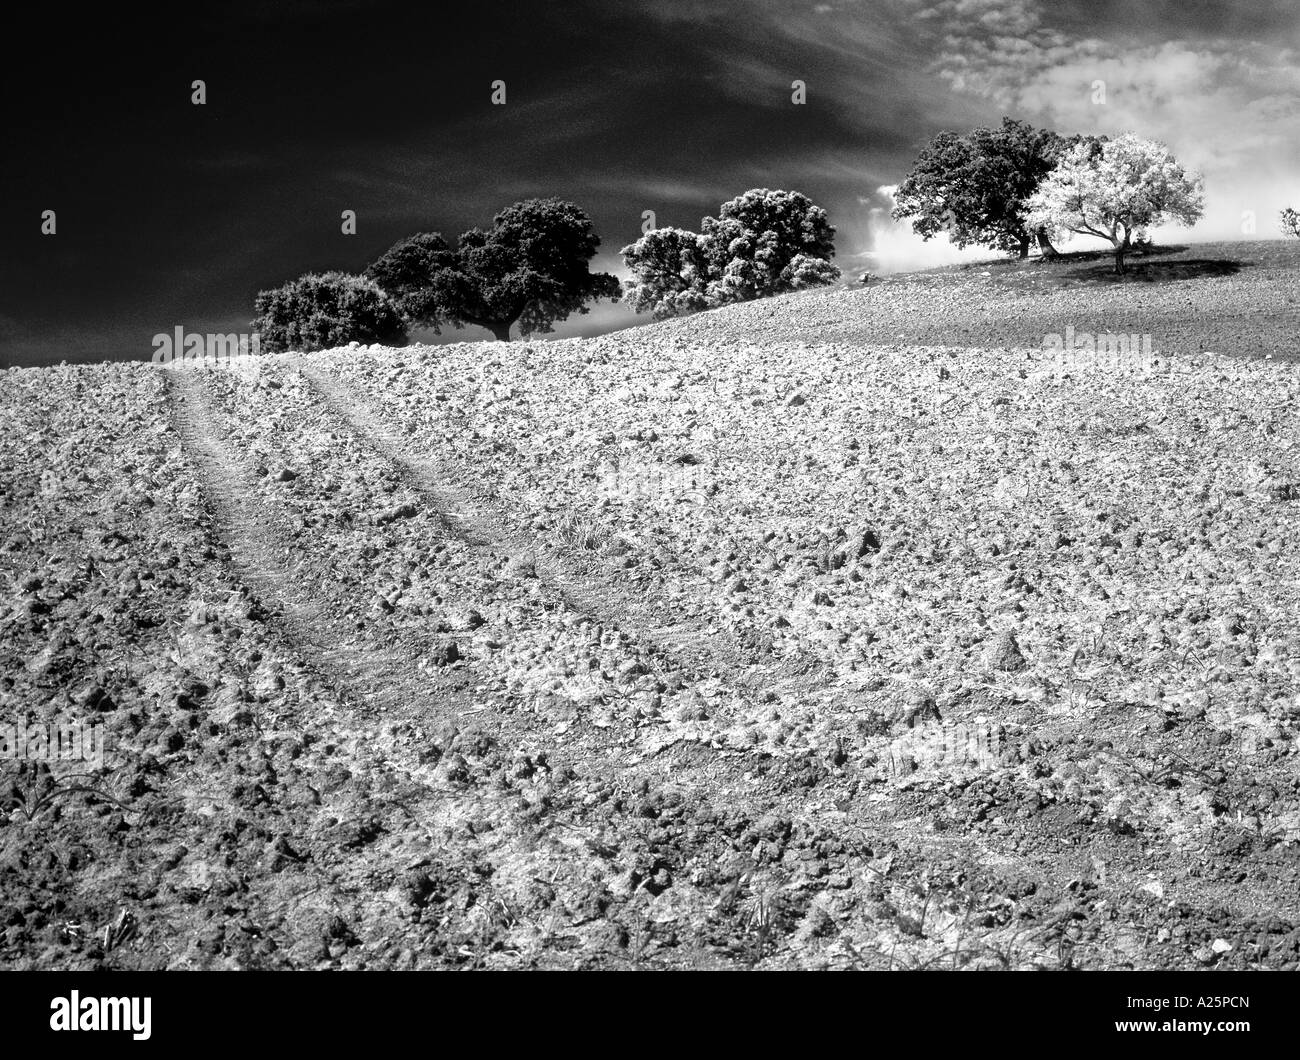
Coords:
pixel 171 214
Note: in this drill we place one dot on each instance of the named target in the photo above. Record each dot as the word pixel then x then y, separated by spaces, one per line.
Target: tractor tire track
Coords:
pixel 376 678
pixel 382 669
pixel 623 756
pixel 482 524
pixel 454 797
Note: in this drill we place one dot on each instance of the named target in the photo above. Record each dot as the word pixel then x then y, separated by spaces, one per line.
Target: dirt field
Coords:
pixel 848 629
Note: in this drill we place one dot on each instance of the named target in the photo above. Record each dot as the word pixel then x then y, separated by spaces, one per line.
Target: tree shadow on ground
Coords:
pixel 1063 259
pixel 1141 271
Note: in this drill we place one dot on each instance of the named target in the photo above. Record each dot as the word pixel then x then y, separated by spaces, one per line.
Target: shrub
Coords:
pixel 322 310
pixel 806 271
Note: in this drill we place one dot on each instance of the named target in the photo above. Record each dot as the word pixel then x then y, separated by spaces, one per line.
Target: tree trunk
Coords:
pixel 501 331
pixel 1044 244
pixel 1121 248
pixel 1024 247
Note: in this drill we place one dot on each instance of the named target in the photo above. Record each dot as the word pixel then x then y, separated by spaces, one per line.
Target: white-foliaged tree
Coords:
pixel 1114 189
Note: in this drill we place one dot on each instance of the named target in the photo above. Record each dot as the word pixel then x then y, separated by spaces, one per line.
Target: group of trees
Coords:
pixel 1011 187
pixel 974 187
pixel 1115 190
pixel 531 268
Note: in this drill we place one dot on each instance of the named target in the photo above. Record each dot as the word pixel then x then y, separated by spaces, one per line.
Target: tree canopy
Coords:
pixel 322 310
pixel 670 267
pixel 762 243
pixel 1116 189
pixel 530 268
pixel 974 187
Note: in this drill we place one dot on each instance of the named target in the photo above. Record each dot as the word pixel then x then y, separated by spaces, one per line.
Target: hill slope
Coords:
pixel 1240 299
pixel 698 645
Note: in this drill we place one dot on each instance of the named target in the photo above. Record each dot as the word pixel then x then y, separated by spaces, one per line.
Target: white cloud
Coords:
pixel 879 244
pixel 1228 109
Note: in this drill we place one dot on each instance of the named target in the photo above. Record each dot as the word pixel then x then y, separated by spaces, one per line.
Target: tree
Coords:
pixel 762 243
pixel 529 268
pixel 1291 222
pixel 761 240
pixel 1115 189
pixel 322 310
pixel 670 271
pixel 405 272
pixel 974 187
